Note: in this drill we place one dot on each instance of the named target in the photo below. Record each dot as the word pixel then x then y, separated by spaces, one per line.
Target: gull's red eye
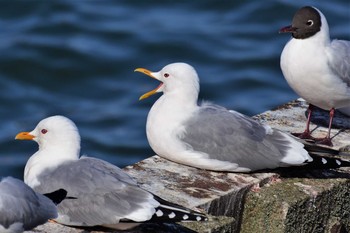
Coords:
pixel 44 131
pixel 166 75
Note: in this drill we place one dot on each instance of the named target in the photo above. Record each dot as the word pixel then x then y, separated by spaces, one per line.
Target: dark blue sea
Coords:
pixel 76 58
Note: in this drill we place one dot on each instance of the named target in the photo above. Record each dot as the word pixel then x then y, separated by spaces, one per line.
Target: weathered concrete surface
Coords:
pixel 303 201
pixel 281 201
pixel 299 205
pixel 218 193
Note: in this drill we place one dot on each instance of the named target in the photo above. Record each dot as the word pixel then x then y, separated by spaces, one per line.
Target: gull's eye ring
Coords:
pixel 166 75
pixel 44 131
pixel 310 23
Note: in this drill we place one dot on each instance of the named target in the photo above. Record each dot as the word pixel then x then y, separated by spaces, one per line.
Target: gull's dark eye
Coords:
pixel 310 22
pixel 44 131
pixel 166 75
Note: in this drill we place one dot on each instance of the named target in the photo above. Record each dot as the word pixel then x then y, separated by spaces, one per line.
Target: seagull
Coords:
pixel 101 193
pixel 21 208
pixel 210 137
pixel 316 67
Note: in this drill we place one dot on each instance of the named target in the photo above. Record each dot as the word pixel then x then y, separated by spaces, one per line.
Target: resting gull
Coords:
pixel 101 193
pixel 213 138
pixel 23 209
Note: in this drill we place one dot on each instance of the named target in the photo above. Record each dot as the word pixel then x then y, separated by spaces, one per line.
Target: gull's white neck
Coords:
pixel 47 157
pixel 164 121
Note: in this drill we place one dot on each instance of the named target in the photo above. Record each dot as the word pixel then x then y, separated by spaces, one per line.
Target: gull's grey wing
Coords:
pixel 230 136
pixel 19 203
pixel 98 193
pixel 339 59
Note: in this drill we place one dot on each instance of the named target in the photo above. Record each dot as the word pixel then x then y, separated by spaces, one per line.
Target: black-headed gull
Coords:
pixel 316 67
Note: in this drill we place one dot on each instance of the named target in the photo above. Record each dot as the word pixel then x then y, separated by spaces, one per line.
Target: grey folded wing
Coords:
pixel 339 59
pixel 19 203
pixel 98 193
pixel 230 136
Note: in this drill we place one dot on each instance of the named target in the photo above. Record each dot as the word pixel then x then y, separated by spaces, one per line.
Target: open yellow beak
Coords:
pixel 148 73
pixel 24 136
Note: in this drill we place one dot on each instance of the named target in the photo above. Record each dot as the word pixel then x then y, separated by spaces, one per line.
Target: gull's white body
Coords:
pixel 318 69
pixel 209 136
pixel 164 129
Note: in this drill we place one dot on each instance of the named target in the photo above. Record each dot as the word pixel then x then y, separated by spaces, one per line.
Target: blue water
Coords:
pixel 76 58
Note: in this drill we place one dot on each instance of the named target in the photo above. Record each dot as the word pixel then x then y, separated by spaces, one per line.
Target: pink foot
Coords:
pixel 304 135
pixel 324 141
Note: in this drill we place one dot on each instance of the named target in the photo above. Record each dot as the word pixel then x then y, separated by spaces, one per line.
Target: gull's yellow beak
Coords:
pixel 148 73
pixel 24 136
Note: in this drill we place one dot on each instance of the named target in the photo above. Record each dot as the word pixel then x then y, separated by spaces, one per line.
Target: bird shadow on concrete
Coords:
pixel 321 117
pixel 312 173
pixel 144 227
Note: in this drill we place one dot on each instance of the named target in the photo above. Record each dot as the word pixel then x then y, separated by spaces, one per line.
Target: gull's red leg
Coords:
pixel 306 134
pixel 327 140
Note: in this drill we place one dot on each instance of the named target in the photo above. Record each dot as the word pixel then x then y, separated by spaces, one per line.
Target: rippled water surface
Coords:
pixel 76 58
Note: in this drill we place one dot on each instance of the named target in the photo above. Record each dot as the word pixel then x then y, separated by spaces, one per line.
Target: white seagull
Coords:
pixel 100 193
pixel 23 209
pixel 316 67
pixel 211 137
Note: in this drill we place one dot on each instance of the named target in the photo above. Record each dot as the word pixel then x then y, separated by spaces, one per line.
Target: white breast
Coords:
pixel 164 124
pixel 305 67
pixel 41 161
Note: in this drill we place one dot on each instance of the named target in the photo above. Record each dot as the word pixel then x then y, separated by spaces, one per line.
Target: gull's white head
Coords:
pixel 175 78
pixel 59 141
pixel 54 132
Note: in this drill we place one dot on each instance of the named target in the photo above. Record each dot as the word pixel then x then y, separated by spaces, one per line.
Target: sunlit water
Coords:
pixel 76 58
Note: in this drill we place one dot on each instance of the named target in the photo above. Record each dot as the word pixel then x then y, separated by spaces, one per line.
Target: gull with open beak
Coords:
pixel 211 137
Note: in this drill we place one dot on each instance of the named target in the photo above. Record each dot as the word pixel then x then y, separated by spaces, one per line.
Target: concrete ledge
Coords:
pixel 299 205
pixel 280 201
pixel 219 194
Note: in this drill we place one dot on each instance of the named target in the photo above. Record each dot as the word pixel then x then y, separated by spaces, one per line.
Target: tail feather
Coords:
pixel 315 149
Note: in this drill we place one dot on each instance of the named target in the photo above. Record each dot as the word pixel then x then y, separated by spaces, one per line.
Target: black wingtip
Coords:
pixel 57 196
pixel 171 212
pixel 327 162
